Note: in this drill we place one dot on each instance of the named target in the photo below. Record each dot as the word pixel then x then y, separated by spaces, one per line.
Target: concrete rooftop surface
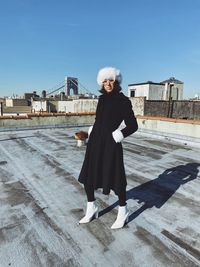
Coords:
pixel 41 203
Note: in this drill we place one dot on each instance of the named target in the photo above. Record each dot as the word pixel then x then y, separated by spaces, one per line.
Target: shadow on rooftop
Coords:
pixel 158 191
pixel 14 138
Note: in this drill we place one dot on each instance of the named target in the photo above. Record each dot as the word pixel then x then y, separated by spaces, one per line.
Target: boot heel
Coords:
pixel 96 215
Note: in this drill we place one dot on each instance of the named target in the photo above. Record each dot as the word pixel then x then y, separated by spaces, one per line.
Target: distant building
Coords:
pixel 39 105
pixel 13 102
pixel 13 106
pixel 28 96
pixel 195 98
pixel 173 89
pixel 165 90
pixel 73 106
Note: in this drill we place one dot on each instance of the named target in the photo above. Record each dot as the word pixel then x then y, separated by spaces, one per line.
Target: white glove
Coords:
pixel 117 136
pixel 90 130
pixel 122 126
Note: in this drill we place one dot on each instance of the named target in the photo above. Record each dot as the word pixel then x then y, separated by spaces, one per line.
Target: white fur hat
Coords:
pixel 109 73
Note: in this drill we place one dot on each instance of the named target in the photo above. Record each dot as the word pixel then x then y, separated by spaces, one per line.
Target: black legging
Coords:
pixel 90 195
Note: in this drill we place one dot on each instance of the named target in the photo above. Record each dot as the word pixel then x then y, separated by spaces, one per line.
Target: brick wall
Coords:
pixel 179 109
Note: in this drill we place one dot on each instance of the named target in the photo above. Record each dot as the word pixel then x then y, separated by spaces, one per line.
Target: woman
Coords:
pixel 103 166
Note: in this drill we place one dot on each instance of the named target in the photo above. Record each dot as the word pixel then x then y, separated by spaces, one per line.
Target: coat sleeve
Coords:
pixel 99 104
pixel 129 119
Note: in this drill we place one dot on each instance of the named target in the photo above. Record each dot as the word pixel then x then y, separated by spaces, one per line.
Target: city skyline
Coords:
pixel 42 42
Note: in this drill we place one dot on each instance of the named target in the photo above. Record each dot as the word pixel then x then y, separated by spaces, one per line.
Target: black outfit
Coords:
pixel 103 166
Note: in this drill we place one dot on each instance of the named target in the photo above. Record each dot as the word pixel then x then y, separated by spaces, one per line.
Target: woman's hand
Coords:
pixel 117 136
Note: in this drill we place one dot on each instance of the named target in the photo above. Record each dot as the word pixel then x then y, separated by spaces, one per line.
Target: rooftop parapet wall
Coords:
pixel 182 128
pixel 188 128
pixel 46 119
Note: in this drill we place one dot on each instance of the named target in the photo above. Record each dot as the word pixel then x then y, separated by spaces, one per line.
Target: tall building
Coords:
pixel 165 90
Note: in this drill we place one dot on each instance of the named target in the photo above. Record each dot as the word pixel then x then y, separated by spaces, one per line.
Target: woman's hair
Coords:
pixel 117 88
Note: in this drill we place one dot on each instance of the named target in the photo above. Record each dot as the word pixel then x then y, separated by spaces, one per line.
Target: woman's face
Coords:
pixel 108 85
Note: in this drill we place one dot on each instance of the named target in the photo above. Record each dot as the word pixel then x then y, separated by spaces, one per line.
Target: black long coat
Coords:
pixel 103 166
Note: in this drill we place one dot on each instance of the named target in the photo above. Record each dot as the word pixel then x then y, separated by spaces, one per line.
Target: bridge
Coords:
pixel 70 84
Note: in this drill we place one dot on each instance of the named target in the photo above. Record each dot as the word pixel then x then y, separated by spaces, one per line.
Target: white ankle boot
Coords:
pixel 122 217
pixel 91 212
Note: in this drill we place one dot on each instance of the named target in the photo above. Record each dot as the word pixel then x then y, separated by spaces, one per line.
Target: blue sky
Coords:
pixel 42 41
